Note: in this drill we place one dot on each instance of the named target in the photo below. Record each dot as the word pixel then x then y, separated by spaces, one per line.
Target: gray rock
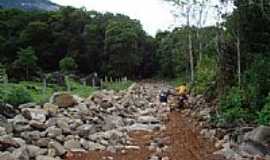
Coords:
pixel 5 124
pixel 148 120
pixel 259 135
pixel 59 149
pixel 19 141
pixel 31 136
pixel 51 122
pixel 7 156
pixel 86 129
pixel 62 123
pixel 112 122
pixel 7 142
pixel 37 125
pixel 72 144
pixel 254 148
pixel 20 124
pixel 7 110
pixel 95 146
pixel 83 108
pixel 35 151
pixel 2 131
pixel 51 108
pixel 53 132
pixel 43 142
pixel 27 105
pixel 91 146
pixel 45 158
pixel 21 153
pixel 35 114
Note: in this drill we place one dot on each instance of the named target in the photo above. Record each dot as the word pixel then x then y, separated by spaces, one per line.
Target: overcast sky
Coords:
pixel 154 14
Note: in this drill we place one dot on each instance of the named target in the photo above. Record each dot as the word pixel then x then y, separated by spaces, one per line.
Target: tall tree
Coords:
pixel 27 58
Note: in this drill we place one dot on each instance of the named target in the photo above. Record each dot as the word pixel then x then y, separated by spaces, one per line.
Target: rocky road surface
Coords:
pixel 156 134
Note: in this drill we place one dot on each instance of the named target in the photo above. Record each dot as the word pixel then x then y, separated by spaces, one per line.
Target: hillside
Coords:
pixel 29 4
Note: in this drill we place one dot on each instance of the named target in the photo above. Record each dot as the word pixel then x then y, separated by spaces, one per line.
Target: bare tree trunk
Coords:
pixel 191 58
pixel 200 45
pixel 238 60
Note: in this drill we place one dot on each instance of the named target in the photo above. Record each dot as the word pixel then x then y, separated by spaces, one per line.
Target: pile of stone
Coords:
pixel 70 123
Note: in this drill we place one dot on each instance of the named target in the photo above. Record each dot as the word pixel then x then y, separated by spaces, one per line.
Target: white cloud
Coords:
pixel 154 14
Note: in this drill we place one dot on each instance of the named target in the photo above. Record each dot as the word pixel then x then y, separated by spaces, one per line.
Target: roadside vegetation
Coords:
pixel 26 91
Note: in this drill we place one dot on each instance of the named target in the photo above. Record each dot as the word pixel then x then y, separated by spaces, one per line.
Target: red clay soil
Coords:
pixel 183 142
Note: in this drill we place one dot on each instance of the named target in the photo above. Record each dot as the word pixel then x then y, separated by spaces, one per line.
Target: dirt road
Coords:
pixel 178 141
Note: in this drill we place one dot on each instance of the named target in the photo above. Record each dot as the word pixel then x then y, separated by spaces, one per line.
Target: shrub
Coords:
pixel 15 95
pixel 18 95
pixel 67 64
pixel 232 106
pixel 264 114
pixel 205 75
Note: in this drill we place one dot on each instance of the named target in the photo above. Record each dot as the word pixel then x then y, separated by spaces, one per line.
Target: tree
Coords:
pixel 27 58
pixel 122 47
pixel 67 64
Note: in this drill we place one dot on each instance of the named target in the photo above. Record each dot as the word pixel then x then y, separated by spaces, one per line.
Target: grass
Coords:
pixel 117 86
pixel 40 95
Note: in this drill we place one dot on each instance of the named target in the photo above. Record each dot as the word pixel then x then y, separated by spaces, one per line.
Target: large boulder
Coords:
pixel 63 99
pixel 260 135
pixel 254 148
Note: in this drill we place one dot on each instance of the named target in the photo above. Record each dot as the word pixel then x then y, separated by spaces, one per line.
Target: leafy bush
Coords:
pixel 67 64
pixel 205 74
pixel 264 114
pixel 232 106
pixel 15 95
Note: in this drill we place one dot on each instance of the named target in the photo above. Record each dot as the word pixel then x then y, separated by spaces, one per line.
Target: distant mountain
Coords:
pixel 29 4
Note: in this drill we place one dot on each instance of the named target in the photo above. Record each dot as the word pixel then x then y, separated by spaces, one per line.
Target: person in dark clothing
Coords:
pixel 163 96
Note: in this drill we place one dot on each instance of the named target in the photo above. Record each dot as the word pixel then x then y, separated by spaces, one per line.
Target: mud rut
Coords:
pixel 179 141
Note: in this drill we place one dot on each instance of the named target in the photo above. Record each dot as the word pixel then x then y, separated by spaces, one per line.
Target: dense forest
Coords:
pixel 112 45
pixel 228 62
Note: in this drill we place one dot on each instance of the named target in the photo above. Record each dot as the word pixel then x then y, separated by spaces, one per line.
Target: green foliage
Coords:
pixel 122 45
pixel 67 64
pixel 232 107
pixel 205 74
pixel 15 95
pixel 264 114
pixel 117 86
pixel 109 44
pixel 27 59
